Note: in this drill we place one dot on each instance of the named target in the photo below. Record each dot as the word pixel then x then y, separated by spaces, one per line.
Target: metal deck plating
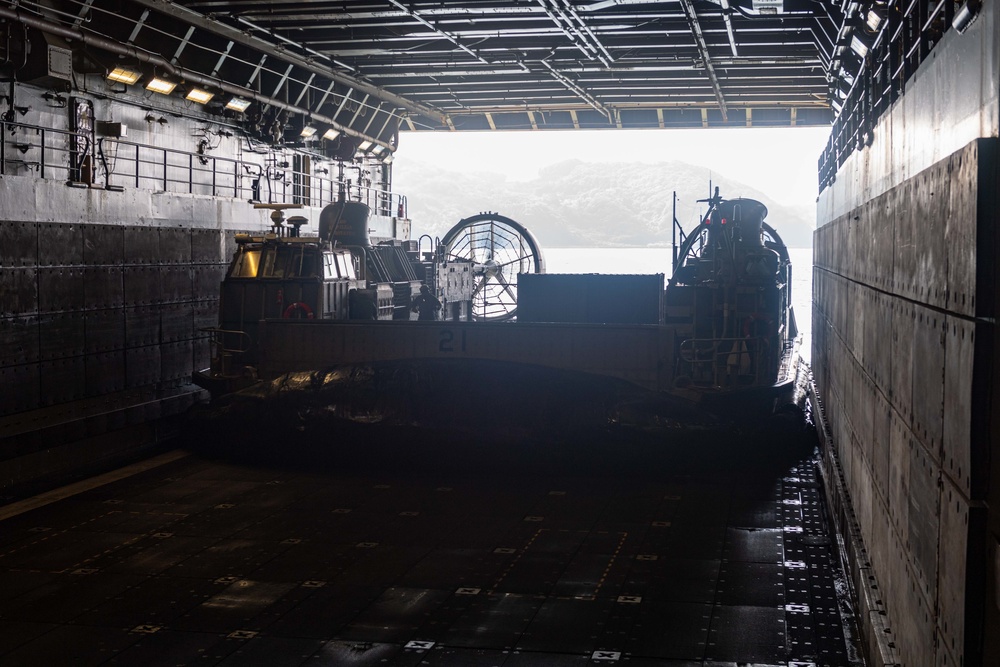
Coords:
pixel 412 554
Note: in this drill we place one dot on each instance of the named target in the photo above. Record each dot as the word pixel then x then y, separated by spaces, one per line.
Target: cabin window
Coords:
pixel 269 270
pixel 301 170
pixel 329 266
pixel 246 265
pixel 346 267
pixel 304 264
pixel 289 262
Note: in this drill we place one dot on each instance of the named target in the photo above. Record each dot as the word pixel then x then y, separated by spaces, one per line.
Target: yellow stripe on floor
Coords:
pixel 69 490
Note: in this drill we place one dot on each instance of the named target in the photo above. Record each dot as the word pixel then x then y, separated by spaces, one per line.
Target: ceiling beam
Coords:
pixel 583 94
pixel 427 24
pixel 726 12
pixel 82 15
pixel 222 59
pixel 135 30
pixel 706 58
pixel 182 45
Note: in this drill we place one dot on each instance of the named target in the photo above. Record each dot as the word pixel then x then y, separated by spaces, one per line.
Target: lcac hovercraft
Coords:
pixel 730 300
pixel 722 335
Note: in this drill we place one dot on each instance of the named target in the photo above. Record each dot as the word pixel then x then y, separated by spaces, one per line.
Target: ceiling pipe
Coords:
pixel 176 71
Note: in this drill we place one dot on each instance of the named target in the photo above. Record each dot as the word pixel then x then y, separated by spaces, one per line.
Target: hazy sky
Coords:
pixel 780 162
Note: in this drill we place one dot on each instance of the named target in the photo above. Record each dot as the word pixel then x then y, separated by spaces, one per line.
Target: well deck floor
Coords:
pixel 406 556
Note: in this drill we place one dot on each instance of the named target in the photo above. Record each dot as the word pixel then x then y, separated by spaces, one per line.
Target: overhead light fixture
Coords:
pixel 124 75
pixel 331 134
pixel 388 159
pixel 859 47
pixel 162 86
pixel 307 131
pixel 238 104
pixel 874 20
pixel 837 106
pixel 200 96
pixel 364 145
pixel 377 150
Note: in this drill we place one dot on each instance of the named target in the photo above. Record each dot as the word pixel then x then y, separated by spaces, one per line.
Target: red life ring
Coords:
pixel 298 305
pixel 749 328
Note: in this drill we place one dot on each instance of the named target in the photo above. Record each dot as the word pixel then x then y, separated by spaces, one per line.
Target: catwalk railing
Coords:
pixel 116 164
pixel 871 83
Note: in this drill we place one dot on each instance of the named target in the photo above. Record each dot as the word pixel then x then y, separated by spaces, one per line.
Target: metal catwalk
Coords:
pixel 432 553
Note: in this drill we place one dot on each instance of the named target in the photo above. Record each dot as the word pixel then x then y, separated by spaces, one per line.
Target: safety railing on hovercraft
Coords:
pixel 116 164
pixel 726 363
pixel 227 345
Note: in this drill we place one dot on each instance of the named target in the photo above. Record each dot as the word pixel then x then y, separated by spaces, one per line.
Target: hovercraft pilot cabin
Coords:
pixel 338 274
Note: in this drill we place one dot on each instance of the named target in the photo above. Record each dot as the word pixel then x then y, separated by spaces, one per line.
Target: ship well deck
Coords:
pixel 371 547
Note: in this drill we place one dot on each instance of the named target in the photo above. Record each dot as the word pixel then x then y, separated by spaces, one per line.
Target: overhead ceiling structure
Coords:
pixel 558 64
pixel 366 69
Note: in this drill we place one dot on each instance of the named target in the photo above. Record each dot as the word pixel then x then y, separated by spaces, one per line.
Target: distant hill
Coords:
pixel 577 203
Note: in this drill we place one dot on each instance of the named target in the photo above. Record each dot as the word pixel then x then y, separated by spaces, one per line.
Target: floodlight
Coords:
pixel 124 75
pixel 331 134
pixel 364 145
pixel 873 20
pixel 162 86
pixel 859 47
pixel 238 104
pixel 307 131
pixel 198 95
